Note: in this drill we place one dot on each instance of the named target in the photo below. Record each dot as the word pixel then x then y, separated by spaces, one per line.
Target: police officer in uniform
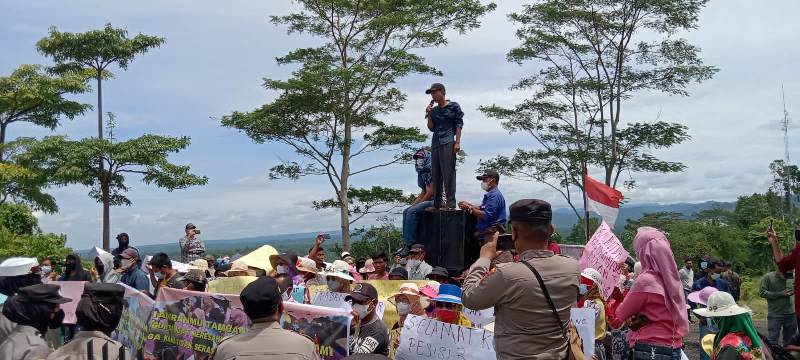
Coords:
pixel 34 309
pixel 265 340
pixel 525 324
pixel 98 313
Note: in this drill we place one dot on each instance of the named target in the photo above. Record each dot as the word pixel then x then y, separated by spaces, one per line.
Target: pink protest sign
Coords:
pixel 70 290
pixel 604 252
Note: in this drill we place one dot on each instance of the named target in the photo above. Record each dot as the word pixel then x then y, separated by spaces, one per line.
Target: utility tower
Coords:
pixel 787 178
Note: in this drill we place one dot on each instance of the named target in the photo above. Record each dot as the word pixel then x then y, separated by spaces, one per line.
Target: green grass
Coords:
pixel 749 297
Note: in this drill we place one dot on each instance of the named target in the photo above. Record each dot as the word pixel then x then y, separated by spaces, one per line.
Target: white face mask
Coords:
pixel 485 186
pixel 281 269
pixel 334 285
pixel 362 310
pixel 46 269
pixel 403 308
pixel 125 263
pixel 420 162
pixel 413 263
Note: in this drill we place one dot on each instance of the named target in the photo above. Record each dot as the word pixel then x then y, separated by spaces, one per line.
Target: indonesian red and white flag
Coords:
pixel 602 199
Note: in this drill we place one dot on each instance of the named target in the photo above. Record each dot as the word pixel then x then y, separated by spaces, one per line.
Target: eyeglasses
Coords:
pixel 445 305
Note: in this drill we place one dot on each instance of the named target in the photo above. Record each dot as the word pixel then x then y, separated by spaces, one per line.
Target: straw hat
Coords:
pixel 408 289
pixel 701 296
pixel 237 268
pixel 305 264
pixel 339 269
pixel 721 304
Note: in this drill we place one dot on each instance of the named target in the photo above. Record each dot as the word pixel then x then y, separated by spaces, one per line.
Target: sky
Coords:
pixel 217 54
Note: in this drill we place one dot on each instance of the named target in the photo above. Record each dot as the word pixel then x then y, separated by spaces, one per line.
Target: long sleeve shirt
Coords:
pixel 525 326
pixel 773 288
pixel 658 330
pixel 445 122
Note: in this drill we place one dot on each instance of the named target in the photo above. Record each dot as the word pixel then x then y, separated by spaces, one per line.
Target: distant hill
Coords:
pixel 563 219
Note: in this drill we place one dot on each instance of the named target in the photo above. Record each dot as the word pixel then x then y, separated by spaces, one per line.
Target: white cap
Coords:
pixel 593 275
pixel 339 269
pixel 17 266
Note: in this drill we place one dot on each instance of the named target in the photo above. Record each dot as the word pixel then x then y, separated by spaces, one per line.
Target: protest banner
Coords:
pixel 229 285
pixel 604 252
pixel 385 289
pixel 423 338
pixel 479 318
pixel 71 290
pixel 132 326
pixel 584 321
pixel 188 324
pixel 328 328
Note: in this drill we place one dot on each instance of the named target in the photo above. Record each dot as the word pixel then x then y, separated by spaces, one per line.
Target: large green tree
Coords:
pixel 94 52
pixel 31 95
pixel 145 156
pixel 593 58
pixel 329 111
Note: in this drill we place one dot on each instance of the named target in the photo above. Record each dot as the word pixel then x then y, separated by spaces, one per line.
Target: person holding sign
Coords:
pixel 591 290
pixel 526 325
pixel 371 335
pixel 265 340
pixel 655 308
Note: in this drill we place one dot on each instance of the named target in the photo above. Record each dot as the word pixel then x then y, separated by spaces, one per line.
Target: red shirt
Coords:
pixel 552 246
pixel 792 262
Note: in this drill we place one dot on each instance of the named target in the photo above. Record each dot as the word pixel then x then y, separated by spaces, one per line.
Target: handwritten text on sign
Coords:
pixel 604 252
pixel 423 338
pixel 584 320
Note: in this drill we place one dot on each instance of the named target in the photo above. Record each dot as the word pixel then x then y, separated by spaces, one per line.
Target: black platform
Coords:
pixel 448 239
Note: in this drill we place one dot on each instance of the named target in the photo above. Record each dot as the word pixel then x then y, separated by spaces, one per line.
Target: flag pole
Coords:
pixel 585 205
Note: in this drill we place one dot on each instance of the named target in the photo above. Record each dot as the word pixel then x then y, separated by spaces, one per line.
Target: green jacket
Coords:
pixel 773 288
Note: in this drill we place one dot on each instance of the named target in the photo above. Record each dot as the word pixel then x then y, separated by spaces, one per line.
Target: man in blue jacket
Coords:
pixel 445 120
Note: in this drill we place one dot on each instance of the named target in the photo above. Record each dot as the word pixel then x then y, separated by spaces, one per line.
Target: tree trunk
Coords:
pixel 104 186
pixel 99 106
pixel 343 198
pixel 2 140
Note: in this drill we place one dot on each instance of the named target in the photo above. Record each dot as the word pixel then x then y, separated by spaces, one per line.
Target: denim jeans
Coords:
pixel 776 323
pixel 410 218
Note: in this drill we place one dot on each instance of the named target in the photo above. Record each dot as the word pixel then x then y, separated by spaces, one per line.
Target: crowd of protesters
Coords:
pixel 532 291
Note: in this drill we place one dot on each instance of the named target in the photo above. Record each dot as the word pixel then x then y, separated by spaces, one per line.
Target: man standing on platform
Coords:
pixel 422 164
pixel 491 213
pixel 445 120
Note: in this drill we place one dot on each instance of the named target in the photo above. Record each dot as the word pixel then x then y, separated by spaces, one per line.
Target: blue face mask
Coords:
pixel 715 276
pixel 583 289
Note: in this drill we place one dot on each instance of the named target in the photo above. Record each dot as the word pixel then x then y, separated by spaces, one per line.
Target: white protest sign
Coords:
pixel 479 318
pixel 584 319
pixel 423 338
pixel 603 253
pixel 337 301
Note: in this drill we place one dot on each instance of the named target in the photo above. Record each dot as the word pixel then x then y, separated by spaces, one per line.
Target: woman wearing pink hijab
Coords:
pixel 655 308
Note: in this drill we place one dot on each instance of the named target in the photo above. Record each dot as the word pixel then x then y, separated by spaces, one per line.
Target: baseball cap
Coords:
pixel 344 255
pixel 435 86
pixel 190 226
pixel 261 297
pixel 195 275
pixel 106 293
pixel 417 248
pixel 42 293
pixel 129 253
pixel 362 292
pixel 419 154
pixel 399 271
pixel 489 174
pixel 438 271
pixel 531 211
